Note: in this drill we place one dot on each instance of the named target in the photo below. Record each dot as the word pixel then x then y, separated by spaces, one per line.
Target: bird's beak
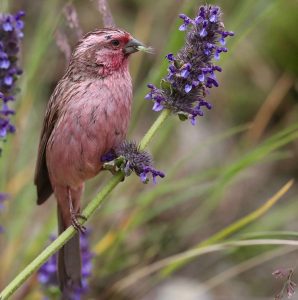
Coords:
pixel 133 46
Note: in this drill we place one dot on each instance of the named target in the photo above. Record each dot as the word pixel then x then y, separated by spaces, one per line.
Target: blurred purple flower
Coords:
pixel 191 72
pixel 47 274
pixel 129 158
pixel 10 38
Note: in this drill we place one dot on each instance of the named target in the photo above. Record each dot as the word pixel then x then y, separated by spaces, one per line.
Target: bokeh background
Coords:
pixel 227 166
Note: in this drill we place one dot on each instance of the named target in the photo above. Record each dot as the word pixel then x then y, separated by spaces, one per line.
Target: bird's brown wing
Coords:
pixel 41 177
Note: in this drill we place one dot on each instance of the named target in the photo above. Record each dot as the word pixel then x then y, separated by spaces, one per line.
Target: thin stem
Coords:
pixel 152 130
pixel 88 212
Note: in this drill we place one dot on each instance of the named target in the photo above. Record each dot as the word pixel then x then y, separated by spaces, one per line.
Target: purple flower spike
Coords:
pixel 191 72
pixel 136 160
pixel 10 31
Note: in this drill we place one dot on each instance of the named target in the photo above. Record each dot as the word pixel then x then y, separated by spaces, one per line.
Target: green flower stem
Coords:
pixel 88 212
pixel 152 130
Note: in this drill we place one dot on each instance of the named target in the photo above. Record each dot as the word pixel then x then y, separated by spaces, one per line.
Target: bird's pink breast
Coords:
pixel 94 120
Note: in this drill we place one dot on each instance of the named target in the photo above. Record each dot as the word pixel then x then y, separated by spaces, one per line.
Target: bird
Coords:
pixel 87 115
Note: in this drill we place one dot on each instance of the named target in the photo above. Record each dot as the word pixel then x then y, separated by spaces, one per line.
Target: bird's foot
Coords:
pixel 115 166
pixel 76 224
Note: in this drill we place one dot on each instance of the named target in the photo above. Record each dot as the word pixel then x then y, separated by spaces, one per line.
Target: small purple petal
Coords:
pixel 11 128
pixel 188 88
pixel 143 177
pixel 19 24
pixel 4 64
pixel 216 55
pixel 183 16
pixel 203 32
pixel 20 14
pixel 213 19
pixel 6 110
pixel 43 278
pixel 172 69
pixel 170 56
pixel 148 96
pixel 199 20
pixel 184 73
pixel 20 34
pixel 193 120
pixel 7 26
pixel 3 132
pixel 109 156
pixel 154 179
pixel 222 41
pixel 217 68
pixel 157 106
pixel 201 77
pixel 183 27
pixel 8 80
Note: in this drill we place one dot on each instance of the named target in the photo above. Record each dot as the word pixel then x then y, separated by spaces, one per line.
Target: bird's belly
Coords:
pixel 78 142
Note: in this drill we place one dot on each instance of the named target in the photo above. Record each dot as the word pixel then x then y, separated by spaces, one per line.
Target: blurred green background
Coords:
pixel 237 156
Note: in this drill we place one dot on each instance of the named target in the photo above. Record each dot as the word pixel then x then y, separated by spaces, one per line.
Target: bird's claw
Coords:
pixel 75 223
pixel 115 166
pixel 110 167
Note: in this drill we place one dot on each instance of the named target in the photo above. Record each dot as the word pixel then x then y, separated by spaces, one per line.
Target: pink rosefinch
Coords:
pixel 87 115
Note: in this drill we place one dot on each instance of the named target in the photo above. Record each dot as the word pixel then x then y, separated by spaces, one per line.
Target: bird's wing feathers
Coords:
pixel 41 177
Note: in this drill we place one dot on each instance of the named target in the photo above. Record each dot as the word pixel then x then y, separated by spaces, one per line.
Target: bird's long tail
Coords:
pixel 69 261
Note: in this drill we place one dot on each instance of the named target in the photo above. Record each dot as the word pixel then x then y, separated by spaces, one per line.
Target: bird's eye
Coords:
pixel 115 43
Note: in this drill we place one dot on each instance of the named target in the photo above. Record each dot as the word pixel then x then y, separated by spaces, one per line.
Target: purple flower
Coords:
pixel 170 57
pixel 157 106
pixel 191 72
pixel 47 274
pixel 186 21
pixel 10 38
pixel 188 88
pixel 147 170
pixel 129 158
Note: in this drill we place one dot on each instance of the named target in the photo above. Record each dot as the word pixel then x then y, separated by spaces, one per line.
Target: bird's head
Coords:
pixel 104 51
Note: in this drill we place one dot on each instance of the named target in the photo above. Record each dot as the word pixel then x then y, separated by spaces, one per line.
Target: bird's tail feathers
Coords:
pixel 69 262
